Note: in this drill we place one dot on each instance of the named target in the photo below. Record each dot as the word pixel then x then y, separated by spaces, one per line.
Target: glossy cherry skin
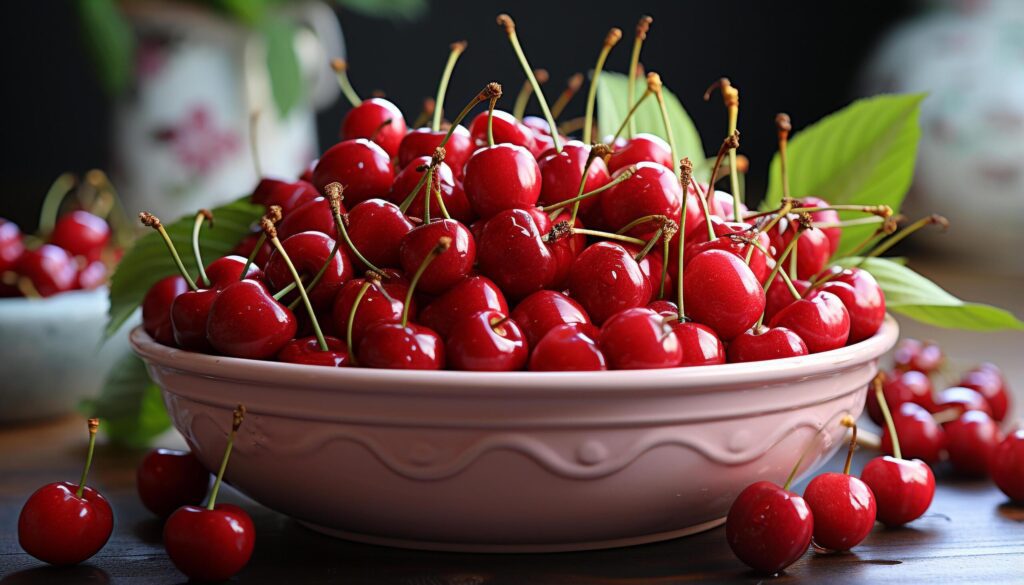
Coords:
pixel 900 387
pixel 903 488
pixel 642 148
pixel 448 268
pixel 605 280
pixel 544 310
pixel 455 201
pixel 812 250
pixel 246 322
pixel 312 216
pixel 652 190
pixel 911 354
pixel 833 234
pixel 961 398
pixel 504 176
pixel 363 167
pixel 375 307
pixel 971 441
pixel 769 528
pixel 863 299
pixel 561 174
pixel 768 343
pixel 11 245
pixel 844 510
pixel 513 254
pixel 569 347
pixel 423 142
pixel 821 320
pixel 190 312
pixel 389 345
pixel 285 194
pixel 758 261
pixel 228 269
pixel 471 296
pixel 209 545
pixel 640 339
pixel 779 296
pixel 248 244
pixel 988 381
pixel 920 436
pixel 1007 465
pixel 50 268
pixel 365 120
pixel 168 479
pixel 58 527
pixel 92 275
pixel 156 307
pixel 376 228
pixel 309 252
pixel 486 341
pixel 722 292
pixel 507 130
pixel 307 351
pixel 81 234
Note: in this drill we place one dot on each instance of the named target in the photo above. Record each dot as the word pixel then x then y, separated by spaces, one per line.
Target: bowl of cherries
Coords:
pixel 53 305
pixel 492 337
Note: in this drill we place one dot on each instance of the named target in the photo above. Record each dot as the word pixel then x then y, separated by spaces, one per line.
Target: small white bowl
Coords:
pixel 512 462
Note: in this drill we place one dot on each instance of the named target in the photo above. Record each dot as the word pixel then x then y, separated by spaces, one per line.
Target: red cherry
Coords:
pixel 825 216
pixel 469 297
pixel 307 351
pixel 988 381
pixel 312 216
pixel 168 479
pixel 360 165
pixel 569 347
pixel 209 545
pixel 285 194
pixel 652 190
pixel 696 222
pixel 971 442
pixel 1007 465
pixel 504 176
pixel 50 268
pixel 767 343
pixel 246 322
pixel 813 249
pixel 900 387
pixel 449 268
pixel 639 338
pixel 903 488
pixel 486 341
pixel 962 399
pixel 92 275
pixel 507 130
pixel 190 312
pixel 455 200
pixel 514 255
pixel 768 527
pixel 664 307
pixel 844 510
pixel 81 234
pixel 911 354
pixel 156 308
pixel 375 306
pixel 11 245
pixel 920 436
pixel 821 320
pixel 544 310
pixel 309 252
pixel 367 120
pixel 376 228
pixel 248 244
pixel 561 174
pixel 701 346
pixel 390 345
pixel 651 265
pixel 228 269
pixel 605 279
pixel 779 297
pixel 721 292
pixel 728 234
pixel 423 142
pixel 640 148
pixel 863 299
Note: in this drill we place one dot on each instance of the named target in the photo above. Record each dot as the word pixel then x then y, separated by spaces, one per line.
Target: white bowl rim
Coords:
pixel 393 381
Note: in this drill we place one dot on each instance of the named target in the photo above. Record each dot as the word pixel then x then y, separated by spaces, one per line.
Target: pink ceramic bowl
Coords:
pixel 512 462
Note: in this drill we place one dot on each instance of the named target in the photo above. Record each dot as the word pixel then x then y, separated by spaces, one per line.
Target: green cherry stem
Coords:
pixel 236 422
pixel 659 219
pixel 442 88
pixel 596 151
pixel 649 245
pixel 505 21
pixel 94 424
pixel 59 189
pixel 629 116
pixel 654 84
pixel 340 67
pixel 523 97
pixel 642 27
pixel 783 126
pixel 443 243
pixel 271 231
pixel 731 99
pixel 887 415
pixel 202 216
pixel 150 220
pixel 491 91
pixel 571 87
pixel 275 215
pixel 370 281
pixel 608 235
pixel 848 422
pixel 685 177
pixel 899 236
pixel 335 193
pixel 610 40
pixel 622 176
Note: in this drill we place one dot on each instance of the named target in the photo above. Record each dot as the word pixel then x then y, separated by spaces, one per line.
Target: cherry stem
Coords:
pixel 629 116
pixel 440 197
pixel 571 87
pixel 731 142
pixel 352 317
pixel 850 222
pixel 202 215
pixel 910 229
pixel 595 151
pixel 428 194
pixel 61 186
pixel 731 99
pixel 236 422
pixel 703 200
pixel 523 97
pixel 102 183
pixel 948 415
pixel 340 67
pixel 490 121
pixel 275 215
pixel 412 194
pixel 335 194
pixel 887 415
pixel 789 284
pixel 271 231
pixel 634 59
pixel 849 423
pixel 783 127
pixel 317 277
pixel 284 292
pixel 654 84
pixel 442 88
pixel 685 178
pixel 94 424
pixel 649 245
pixel 608 235
pixel 610 41
pixel 505 21
pixel 490 91
pixel 660 219
pixel 622 176
pixel 776 270
pixel 254 147
pixel 443 243
pixel 150 220
pixel 665 245
pixel 880 210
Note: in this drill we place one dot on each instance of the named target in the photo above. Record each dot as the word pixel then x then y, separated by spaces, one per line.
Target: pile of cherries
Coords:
pixel 769 527
pixel 465 248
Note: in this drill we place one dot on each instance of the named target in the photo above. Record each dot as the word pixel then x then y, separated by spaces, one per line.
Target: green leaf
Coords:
pixel 863 154
pixel 130 406
pixel 148 261
pixel 247 11
pixel 110 41
pixel 913 295
pixel 612 107
pixel 283 64
pixel 390 9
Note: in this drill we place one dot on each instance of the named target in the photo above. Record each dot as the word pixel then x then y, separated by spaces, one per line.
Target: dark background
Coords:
pixel 798 57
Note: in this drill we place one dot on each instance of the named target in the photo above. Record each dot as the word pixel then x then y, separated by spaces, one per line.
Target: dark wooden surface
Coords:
pixel 971 534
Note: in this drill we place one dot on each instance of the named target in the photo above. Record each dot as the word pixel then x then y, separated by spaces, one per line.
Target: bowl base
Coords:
pixel 512 548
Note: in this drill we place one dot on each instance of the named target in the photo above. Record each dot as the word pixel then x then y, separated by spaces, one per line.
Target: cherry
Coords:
pixel 467 298
pixel 245 321
pixel 971 442
pixel 988 381
pixel 768 527
pixel 168 479
pixel 190 312
pixel 700 345
pixel 50 268
pixel 569 347
pixel 605 279
pixel 766 343
pixel 911 354
pixel 310 252
pixel 731 236
pixel 92 275
pixel 156 307
pixel 81 234
pixel 363 167
pixel 821 320
pixel 376 228
pixel 544 310
pixel 863 299
pixel 562 172
pixel 307 351
pixel 642 148
pixel 1007 465
pixel 962 399
pixel 722 293
pixel 11 245
pixel 376 119
pixel 382 302
pixel 213 542
pixel 227 269
pixel 454 196
pixel 651 265
pixel 451 266
pixel 652 190
pixel 515 256
pixel 423 141
pixel 487 341
pixel 901 387
pixel 826 216
pixel 285 194
pixel 63 523
pixel 812 250
pixel 639 338
pixel 499 177
pixel 920 436
pixel 507 130
pixel 313 216
pixel 779 297
pixel 843 506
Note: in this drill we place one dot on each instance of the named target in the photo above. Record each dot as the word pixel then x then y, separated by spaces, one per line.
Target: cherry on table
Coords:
pixel 971 442
pixel 769 527
pixel 1007 466
pixel 960 399
pixel 920 436
pixel 168 479
pixel 900 387
pixel 923 356
pixel 569 347
pixel 988 381
pixel 486 341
